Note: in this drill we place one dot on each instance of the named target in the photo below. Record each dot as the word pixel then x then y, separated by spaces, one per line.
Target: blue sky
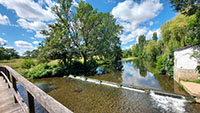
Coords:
pixel 22 20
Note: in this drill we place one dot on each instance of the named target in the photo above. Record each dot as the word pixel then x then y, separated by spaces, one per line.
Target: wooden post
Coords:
pixel 4 71
pixel 30 100
pixel 15 87
pixel 8 75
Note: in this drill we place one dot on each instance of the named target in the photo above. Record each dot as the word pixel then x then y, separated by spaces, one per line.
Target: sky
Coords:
pixel 22 20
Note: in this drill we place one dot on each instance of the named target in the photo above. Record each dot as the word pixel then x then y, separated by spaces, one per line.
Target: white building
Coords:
pixel 185 63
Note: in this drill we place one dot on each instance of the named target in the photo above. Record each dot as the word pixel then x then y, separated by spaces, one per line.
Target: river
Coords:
pixel 86 97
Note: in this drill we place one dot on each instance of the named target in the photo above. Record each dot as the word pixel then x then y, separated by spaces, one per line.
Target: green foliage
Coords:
pixel 46 70
pixel 27 64
pixel 81 32
pixel 165 65
pixel 127 53
pixel 155 37
pixel 152 50
pixel 138 49
pixel 52 70
pixel 198 68
pixel 32 54
pixel 190 8
pixel 160 64
pixel 7 54
pixel 187 7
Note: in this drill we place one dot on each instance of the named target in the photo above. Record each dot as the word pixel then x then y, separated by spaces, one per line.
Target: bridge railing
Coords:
pixel 32 91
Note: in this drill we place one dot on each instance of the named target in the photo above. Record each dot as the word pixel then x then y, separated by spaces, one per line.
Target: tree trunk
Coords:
pixel 64 61
pixel 85 63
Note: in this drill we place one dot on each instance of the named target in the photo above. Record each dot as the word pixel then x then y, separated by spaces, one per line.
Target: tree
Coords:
pixel 151 50
pixel 141 44
pixel 155 37
pixel 188 7
pixel 6 53
pixel 27 54
pixel 33 53
pixel 174 32
pixel 83 31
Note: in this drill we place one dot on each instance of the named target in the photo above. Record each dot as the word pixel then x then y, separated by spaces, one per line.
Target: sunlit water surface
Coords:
pixel 86 97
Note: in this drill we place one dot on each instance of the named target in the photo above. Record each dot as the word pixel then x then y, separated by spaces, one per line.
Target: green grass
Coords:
pixel 181 86
pixel 16 64
pixel 196 81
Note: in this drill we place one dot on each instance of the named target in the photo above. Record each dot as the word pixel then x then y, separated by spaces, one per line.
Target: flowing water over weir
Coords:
pixel 133 90
pixel 162 99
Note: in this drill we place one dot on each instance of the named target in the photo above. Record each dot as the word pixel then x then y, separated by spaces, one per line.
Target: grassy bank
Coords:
pixel 32 68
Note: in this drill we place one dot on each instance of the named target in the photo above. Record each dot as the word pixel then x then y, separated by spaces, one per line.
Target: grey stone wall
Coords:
pixel 185 74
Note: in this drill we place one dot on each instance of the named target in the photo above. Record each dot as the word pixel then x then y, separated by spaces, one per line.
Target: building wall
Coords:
pixel 185 74
pixel 185 65
pixel 183 59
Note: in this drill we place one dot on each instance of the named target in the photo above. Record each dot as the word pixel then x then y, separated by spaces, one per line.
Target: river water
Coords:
pixel 86 97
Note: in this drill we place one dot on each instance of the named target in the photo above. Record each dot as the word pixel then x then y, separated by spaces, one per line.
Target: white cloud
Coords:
pixel 36 42
pixel 131 14
pixel 23 44
pixel 150 34
pixel 4 20
pixel 151 23
pixel 39 35
pixel 133 35
pixel 35 25
pixel 3 33
pixel 2 42
pixel 30 10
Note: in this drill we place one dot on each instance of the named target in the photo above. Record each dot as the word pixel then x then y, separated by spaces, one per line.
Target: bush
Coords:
pixel 165 65
pixel 76 67
pixel 27 64
pixel 160 64
pixel 45 70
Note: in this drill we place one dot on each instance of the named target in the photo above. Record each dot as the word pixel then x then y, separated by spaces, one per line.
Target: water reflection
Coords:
pixel 132 76
pixel 135 73
pixel 84 97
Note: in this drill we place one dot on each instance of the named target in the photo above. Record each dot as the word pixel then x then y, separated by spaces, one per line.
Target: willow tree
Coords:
pixel 83 30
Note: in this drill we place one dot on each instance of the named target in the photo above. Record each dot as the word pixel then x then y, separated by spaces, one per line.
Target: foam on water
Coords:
pixel 133 89
pixel 168 103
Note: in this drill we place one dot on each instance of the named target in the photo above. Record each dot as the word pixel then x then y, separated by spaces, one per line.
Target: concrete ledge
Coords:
pixel 193 89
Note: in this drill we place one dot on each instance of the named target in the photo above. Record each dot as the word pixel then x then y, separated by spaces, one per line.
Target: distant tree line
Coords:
pixel 7 53
pixel 183 30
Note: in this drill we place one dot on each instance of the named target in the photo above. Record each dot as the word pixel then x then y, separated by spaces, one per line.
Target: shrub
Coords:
pixel 165 65
pixel 27 64
pixel 160 64
pixel 45 70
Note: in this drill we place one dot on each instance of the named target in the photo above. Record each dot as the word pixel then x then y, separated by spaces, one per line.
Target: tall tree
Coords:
pixel 188 7
pixel 141 44
pixel 155 37
pixel 83 30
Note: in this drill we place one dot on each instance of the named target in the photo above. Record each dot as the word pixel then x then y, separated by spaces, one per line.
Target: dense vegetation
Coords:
pixel 7 53
pixel 81 38
pixel 183 30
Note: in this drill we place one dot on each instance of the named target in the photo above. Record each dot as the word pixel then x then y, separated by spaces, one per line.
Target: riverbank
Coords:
pixel 193 89
pixel 129 58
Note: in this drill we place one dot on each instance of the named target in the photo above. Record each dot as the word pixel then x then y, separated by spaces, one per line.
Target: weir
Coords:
pixel 141 90
pixel 162 99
